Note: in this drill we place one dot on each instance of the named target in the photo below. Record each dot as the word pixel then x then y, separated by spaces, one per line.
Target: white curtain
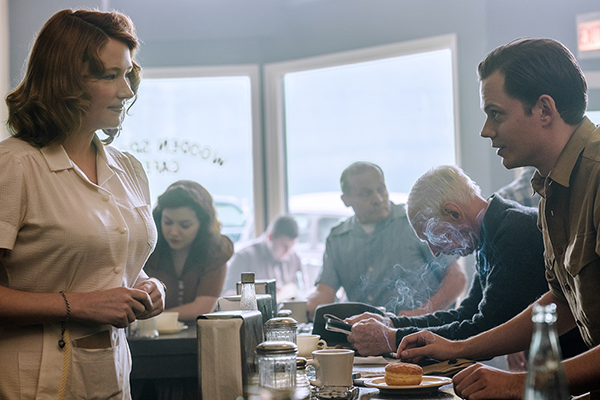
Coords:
pixel 4 65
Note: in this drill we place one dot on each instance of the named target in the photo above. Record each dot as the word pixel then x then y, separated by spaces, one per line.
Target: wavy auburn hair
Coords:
pixel 51 102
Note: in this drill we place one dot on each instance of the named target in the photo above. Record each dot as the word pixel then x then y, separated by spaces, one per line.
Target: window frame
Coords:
pixel 253 72
pixel 273 74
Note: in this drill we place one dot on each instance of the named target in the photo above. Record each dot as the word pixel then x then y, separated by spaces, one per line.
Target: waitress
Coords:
pixel 75 221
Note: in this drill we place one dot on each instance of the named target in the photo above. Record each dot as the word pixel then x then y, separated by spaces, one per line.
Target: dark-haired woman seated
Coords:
pixel 191 254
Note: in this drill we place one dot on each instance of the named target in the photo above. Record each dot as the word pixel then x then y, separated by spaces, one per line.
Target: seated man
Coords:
pixel 447 212
pixel 271 256
pixel 376 257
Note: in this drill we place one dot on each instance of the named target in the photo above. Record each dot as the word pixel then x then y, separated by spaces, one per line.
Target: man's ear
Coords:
pixel 453 211
pixel 345 200
pixel 546 108
pixel 270 236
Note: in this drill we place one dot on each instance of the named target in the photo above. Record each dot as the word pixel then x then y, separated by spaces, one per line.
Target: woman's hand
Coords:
pixel 156 290
pixel 118 307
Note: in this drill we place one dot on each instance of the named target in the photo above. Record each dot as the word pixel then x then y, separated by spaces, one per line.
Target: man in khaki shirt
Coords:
pixel 534 96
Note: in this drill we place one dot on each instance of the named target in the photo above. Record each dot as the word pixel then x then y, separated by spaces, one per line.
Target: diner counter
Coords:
pixel 174 356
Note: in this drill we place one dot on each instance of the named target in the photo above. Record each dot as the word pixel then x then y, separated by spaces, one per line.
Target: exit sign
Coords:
pixel 588 35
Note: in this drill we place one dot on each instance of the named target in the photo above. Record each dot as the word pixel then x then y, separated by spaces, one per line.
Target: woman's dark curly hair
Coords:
pixel 190 194
pixel 51 102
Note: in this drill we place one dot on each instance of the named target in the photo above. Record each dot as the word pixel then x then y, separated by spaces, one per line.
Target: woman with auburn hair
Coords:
pixel 75 221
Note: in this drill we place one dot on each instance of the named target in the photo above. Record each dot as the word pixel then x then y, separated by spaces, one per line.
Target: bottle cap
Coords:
pixel 247 277
pixel 285 322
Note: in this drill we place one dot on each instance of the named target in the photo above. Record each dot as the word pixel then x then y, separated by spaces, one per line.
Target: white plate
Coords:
pixel 180 326
pixel 429 383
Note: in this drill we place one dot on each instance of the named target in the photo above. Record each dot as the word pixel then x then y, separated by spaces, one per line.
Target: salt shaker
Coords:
pixel 277 365
pixel 248 297
pixel 281 329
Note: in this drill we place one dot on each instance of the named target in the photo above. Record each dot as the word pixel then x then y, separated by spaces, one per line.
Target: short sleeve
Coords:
pixel 13 199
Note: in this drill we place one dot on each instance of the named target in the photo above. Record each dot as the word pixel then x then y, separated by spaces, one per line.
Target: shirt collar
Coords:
pixel 57 159
pixel 562 170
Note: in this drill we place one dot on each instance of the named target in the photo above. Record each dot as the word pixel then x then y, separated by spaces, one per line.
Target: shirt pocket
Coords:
pixel 580 252
pixel 145 214
pixel 96 374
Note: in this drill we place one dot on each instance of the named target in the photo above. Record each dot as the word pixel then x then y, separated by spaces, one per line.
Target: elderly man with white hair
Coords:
pixel 447 211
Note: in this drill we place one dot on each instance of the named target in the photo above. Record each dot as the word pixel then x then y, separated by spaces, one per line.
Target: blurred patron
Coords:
pixel 377 259
pixel 271 256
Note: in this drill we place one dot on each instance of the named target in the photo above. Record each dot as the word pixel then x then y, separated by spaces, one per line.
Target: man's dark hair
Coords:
pixel 285 226
pixel 533 67
pixel 355 168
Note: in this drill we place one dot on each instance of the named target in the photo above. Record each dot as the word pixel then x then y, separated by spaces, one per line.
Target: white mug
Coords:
pixel 309 343
pixel 167 320
pixel 333 367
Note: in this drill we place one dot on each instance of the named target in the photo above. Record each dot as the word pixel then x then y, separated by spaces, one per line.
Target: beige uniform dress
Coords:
pixel 64 232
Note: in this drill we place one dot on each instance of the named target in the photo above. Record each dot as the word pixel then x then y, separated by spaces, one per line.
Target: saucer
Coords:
pixel 176 329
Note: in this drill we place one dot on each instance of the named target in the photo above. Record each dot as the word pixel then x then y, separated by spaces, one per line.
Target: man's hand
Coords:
pixel 367 315
pixel 415 347
pixel 482 382
pixel 371 337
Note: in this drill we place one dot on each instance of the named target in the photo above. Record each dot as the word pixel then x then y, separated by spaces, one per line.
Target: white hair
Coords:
pixel 437 186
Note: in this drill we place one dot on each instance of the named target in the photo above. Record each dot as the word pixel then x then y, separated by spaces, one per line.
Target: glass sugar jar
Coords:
pixel 277 365
pixel 282 329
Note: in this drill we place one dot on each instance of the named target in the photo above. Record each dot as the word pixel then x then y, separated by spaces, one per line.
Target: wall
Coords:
pixel 4 63
pixel 216 32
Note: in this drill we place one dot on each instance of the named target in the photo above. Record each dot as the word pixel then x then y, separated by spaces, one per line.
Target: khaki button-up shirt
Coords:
pixel 569 218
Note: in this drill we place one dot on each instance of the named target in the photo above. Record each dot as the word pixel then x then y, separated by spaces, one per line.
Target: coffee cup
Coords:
pixel 298 309
pixel 167 320
pixel 333 367
pixel 309 343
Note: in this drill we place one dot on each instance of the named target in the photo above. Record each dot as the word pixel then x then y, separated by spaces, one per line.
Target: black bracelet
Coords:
pixel 63 324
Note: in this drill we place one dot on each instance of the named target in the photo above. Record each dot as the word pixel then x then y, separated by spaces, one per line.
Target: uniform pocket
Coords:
pixel 29 368
pixel 96 374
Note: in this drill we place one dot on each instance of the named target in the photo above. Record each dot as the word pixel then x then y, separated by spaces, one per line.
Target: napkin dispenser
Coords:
pixel 264 302
pixel 264 286
pixel 227 362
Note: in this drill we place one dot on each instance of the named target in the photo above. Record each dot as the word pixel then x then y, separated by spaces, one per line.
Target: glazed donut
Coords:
pixel 403 374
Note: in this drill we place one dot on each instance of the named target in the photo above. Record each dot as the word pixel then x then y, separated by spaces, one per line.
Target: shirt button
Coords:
pixel 117 270
pixel 568 288
pixel 370 298
pixel 370 269
pixel 552 212
pixel 106 197
pixel 122 230
pixel 559 251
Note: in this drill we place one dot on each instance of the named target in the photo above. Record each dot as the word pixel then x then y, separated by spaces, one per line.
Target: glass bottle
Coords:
pixel 248 297
pixel 545 376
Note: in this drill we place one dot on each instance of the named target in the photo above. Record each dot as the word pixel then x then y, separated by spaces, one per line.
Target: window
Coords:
pixel 200 124
pixel 393 105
